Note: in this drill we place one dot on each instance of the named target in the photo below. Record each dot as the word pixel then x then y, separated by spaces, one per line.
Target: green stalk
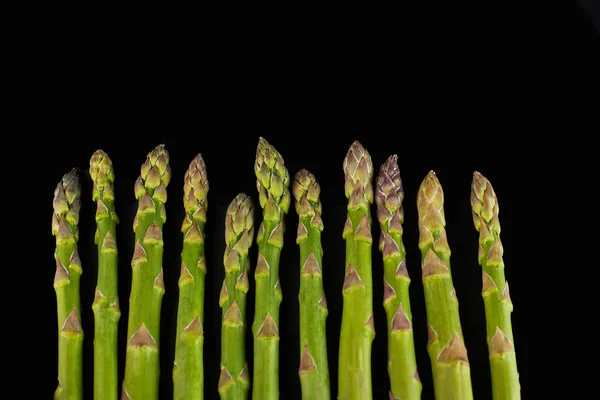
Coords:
pixel 313 370
pixel 447 352
pixel 402 364
pixel 66 204
pixel 234 382
pixel 272 183
pixel 147 286
pixel 106 301
pixel 496 297
pixel 358 330
pixel 188 370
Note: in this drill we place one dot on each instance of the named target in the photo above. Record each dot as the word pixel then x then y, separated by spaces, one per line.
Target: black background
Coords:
pixel 471 93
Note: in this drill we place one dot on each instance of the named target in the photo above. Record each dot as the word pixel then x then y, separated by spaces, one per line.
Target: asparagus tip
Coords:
pixel 358 170
pixel 101 169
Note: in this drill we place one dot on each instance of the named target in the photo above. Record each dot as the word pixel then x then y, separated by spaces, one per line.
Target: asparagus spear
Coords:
pixel 313 371
pixel 106 301
pixel 65 218
pixel 147 287
pixel 402 365
pixel 447 352
pixel 274 196
pixel 358 331
pixel 188 372
pixel 503 363
pixel 234 381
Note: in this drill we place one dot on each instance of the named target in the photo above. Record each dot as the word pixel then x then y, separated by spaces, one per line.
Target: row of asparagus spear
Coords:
pixel 446 348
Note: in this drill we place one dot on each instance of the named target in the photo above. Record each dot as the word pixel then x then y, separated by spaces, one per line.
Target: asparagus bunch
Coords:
pixel 358 330
pixel 147 286
pixel 402 365
pixel 106 301
pixel 313 371
pixel 65 218
pixel 274 196
pixel 447 352
pixel 188 369
pixel 503 364
pixel 234 382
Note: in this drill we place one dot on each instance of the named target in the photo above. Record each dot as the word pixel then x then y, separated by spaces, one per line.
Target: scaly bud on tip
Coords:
pixel 430 204
pixel 195 186
pixel 306 191
pixel 272 176
pixel 101 172
pixel 484 204
pixel 390 193
pixel 358 169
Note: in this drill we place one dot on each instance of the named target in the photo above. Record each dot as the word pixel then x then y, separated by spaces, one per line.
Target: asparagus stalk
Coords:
pixel 402 364
pixel 503 363
pixel 65 218
pixel 447 352
pixel 274 196
pixel 313 371
pixel 234 382
pixel 188 370
pixel 358 331
pixel 147 287
pixel 106 301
